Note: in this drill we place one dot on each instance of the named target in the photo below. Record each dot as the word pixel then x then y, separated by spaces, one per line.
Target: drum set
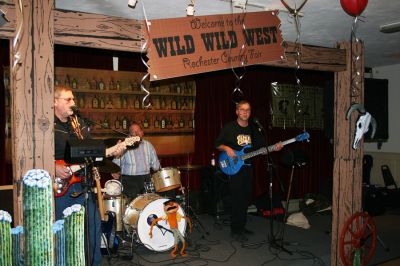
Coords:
pixel 135 217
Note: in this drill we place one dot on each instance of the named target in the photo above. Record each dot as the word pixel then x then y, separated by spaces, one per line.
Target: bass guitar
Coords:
pixel 61 186
pixel 232 165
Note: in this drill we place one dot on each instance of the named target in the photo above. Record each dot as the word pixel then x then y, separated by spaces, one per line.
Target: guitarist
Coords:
pixel 63 131
pixel 234 136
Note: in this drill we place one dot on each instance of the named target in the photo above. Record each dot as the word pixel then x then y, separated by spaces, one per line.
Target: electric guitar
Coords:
pixel 61 186
pixel 231 166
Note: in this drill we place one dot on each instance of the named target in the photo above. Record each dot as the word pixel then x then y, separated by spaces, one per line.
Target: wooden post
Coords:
pixel 32 85
pixel 347 167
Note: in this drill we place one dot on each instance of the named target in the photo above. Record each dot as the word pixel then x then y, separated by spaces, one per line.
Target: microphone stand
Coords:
pixel 271 240
pixel 90 122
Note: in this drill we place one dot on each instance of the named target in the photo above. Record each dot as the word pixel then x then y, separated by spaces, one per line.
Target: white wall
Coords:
pixel 392 73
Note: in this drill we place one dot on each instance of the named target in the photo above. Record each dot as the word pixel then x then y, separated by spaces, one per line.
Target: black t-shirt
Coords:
pixel 236 137
pixel 63 132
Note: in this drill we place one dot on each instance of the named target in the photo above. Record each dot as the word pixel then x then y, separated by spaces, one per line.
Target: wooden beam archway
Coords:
pixel 33 94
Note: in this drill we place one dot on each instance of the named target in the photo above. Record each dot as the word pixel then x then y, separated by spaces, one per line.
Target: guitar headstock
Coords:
pixel 130 141
pixel 302 137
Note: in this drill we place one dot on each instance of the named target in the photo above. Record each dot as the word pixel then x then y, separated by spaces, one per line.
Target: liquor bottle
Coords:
pixel 106 124
pixel 162 104
pixel 94 85
pixel 124 103
pixel 190 104
pixel 136 103
pixel 156 123
pixel 101 85
pixel 125 123
pixel 67 81
pixel 178 89
pixel 117 123
pixel 109 104
pixel 118 85
pixel 101 103
pixel 82 102
pixel 95 102
pixel 213 159
pixel 163 123
pixel 74 83
pixel 173 104
pixel 169 123
pixel 181 122
pixel 178 104
pixel 111 85
pixel 145 123
pixel 156 102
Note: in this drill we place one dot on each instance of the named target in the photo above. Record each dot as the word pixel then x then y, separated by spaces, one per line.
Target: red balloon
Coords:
pixel 354 7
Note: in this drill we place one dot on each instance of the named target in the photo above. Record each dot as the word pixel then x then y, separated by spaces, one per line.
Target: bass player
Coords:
pixel 234 136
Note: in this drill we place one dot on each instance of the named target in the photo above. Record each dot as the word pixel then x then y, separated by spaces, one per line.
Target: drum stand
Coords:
pixel 189 210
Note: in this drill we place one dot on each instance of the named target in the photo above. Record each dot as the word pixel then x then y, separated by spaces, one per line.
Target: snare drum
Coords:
pixel 166 179
pixel 141 212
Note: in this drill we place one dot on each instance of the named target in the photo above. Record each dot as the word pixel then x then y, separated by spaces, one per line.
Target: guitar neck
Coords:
pixel 99 194
pixel 265 150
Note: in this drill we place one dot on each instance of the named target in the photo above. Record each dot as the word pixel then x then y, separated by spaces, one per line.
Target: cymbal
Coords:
pixel 190 167
pixel 108 167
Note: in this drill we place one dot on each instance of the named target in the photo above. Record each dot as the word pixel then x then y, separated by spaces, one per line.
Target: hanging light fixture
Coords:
pixel 132 3
pixel 390 27
pixel 190 9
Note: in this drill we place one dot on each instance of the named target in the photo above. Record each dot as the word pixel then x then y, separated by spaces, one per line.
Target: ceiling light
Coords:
pixel 239 3
pixel 390 27
pixel 3 18
pixel 190 8
pixel 132 3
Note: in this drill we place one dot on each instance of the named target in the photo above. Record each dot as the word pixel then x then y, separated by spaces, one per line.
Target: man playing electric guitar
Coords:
pixel 234 136
pixel 64 130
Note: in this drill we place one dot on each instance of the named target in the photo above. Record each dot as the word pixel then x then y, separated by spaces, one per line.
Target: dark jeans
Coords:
pixel 240 186
pixel 94 221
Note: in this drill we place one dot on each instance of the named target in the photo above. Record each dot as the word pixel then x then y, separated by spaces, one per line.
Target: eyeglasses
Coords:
pixel 244 110
pixel 67 99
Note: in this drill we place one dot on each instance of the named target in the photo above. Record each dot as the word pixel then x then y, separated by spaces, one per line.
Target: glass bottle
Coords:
pixel 136 104
pixel 101 103
pixel 117 123
pixel 95 102
pixel 124 123
pixel 163 123
pixel 74 83
pixel 156 123
pixel 213 159
pixel 145 123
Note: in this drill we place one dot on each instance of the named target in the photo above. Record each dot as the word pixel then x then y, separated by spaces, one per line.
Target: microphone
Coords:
pixel 258 124
pixel 75 110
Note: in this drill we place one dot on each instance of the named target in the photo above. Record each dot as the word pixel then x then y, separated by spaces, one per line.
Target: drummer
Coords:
pixel 136 164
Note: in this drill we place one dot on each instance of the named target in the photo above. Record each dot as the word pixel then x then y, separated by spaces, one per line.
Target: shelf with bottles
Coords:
pixel 159 123
pixel 122 103
pixel 120 82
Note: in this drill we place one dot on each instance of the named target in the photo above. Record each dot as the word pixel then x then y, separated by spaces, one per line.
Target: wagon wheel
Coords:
pixel 358 235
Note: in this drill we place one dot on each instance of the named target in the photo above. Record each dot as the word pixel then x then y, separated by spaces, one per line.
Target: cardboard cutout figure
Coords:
pixel 173 217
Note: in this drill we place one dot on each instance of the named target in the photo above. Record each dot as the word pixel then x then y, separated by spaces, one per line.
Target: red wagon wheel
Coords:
pixel 358 235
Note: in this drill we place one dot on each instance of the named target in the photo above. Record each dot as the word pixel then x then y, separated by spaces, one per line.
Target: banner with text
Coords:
pixel 190 45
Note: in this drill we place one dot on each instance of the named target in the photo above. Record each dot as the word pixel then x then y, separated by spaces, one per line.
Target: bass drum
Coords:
pixel 141 212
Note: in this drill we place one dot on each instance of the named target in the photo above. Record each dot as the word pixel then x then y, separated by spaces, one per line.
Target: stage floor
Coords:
pixel 214 246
